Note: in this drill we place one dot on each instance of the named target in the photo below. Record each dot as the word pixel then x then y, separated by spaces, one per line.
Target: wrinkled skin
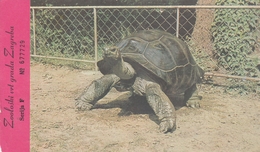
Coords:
pixel 157 99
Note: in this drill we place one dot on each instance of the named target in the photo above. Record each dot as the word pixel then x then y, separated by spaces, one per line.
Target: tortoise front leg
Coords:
pixel 158 101
pixel 162 107
pixel 95 91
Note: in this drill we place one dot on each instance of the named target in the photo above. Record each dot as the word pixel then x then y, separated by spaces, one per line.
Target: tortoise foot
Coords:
pixel 193 103
pixel 167 125
pixel 83 106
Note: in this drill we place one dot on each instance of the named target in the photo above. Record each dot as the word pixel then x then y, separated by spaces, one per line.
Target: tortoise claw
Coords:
pixel 193 103
pixel 83 106
pixel 168 125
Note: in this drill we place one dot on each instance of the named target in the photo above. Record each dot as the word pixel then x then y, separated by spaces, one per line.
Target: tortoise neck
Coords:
pixel 123 70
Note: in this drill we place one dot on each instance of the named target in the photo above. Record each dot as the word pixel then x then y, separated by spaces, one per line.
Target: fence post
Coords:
pixel 178 22
pixel 34 35
pixel 95 38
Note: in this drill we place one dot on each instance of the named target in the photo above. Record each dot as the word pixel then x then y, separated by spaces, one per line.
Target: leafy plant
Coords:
pixel 242 87
pixel 234 39
pixel 60 35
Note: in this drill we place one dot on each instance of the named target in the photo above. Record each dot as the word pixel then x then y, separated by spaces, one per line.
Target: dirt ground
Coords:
pixel 223 123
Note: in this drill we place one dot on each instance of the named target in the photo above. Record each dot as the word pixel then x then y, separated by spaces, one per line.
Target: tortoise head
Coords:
pixel 112 52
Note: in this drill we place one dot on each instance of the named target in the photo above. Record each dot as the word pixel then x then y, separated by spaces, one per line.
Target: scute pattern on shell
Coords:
pixel 164 55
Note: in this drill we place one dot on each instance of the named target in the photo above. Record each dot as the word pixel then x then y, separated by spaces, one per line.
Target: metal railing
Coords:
pixel 80 33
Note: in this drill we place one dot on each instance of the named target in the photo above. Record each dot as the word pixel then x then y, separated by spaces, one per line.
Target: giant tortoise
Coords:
pixel 150 63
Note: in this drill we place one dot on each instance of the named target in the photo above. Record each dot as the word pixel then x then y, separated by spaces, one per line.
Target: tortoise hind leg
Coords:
pixel 191 97
pixel 95 91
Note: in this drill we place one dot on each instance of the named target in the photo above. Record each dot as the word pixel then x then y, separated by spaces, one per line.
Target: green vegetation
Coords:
pixel 234 38
pixel 73 41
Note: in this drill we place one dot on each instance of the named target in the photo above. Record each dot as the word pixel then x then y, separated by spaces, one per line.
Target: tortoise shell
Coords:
pixel 163 57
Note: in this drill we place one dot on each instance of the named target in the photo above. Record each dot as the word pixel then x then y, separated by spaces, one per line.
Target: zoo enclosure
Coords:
pixel 81 33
